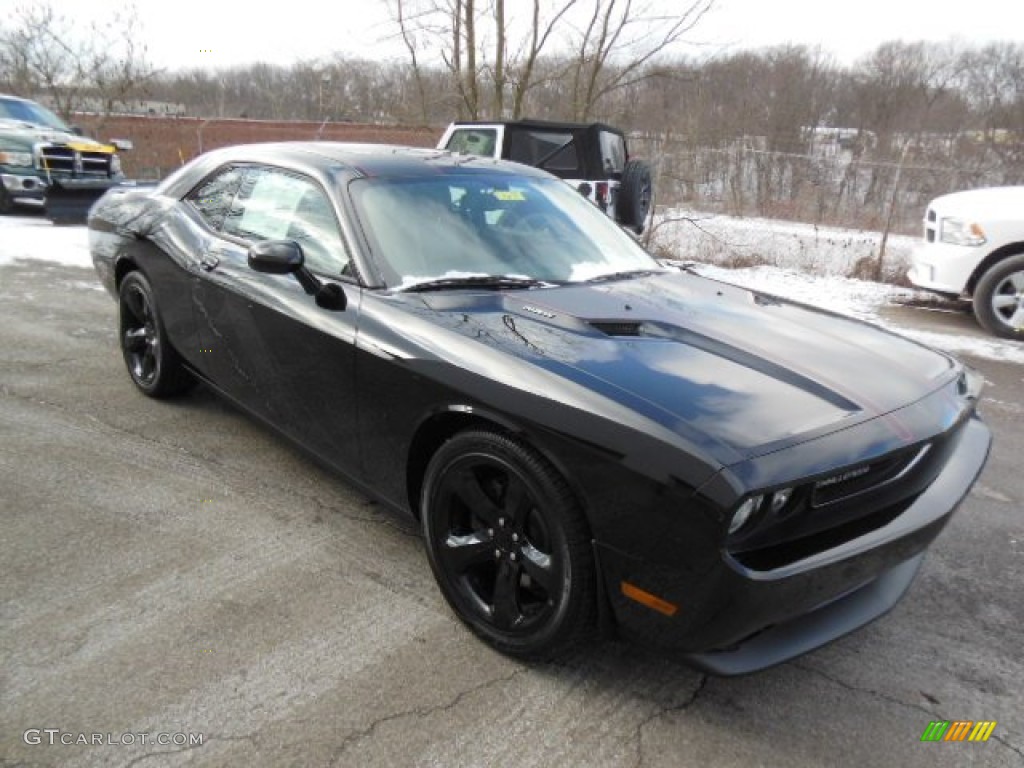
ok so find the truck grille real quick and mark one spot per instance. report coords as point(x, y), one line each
point(65, 161)
point(930, 226)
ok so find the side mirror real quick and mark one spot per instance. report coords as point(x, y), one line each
point(284, 257)
point(276, 257)
point(122, 145)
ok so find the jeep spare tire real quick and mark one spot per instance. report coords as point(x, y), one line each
point(634, 201)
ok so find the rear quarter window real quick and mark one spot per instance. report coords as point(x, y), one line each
point(212, 199)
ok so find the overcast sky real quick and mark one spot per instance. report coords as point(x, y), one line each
point(215, 33)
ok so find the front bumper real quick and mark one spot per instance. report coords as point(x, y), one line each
point(732, 620)
point(944, 268)
point(24, 188)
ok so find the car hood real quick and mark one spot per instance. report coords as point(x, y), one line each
point(986, 204)
point(716, 363)
point(29, 134)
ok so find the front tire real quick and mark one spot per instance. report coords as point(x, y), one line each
point(152, 363)
point(509, 546)
point(999, 298)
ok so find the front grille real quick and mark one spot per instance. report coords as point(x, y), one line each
point(829, 511)
point(65, 161)
point(929, 227)
point(791, 550)
point(865, 477)
point(616, 327)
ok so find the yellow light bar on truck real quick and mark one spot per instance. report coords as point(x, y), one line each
point(82, 147)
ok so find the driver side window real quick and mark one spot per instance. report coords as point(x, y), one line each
point(273, 204)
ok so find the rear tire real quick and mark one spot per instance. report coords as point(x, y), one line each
point(999, 298)
point(152, 363)
point(635, 194)
point(509, 546)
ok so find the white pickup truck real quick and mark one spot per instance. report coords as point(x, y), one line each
point(974, 248)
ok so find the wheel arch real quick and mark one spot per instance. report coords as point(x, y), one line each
point(122, 267)
point(1003, 252)
point(442, 424)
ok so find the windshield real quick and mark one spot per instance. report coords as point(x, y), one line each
point(30, 112)
point(426, 229)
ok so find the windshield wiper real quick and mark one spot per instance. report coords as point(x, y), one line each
point(626, 273)
point(495, 282)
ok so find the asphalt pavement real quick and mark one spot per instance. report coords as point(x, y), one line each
point(174, 571)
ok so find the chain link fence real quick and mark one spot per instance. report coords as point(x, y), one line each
point(832, 186)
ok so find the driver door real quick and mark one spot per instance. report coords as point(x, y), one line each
point(272, 348)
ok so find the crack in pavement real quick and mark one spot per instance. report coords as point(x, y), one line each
point(661, 712)
point(899, 702)
point(420, 712)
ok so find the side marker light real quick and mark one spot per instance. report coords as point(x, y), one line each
point(646, 598)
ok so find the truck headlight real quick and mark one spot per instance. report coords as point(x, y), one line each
point(960, 232)
point(15, 158)
point(115, 165)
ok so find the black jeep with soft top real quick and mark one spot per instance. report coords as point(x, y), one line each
point(593, 157)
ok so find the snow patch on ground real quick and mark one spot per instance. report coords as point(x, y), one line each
point(817, 250)
point(24, 238)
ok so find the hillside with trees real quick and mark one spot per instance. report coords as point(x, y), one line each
point(784, 131)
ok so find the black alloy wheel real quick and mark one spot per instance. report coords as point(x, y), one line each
point(153, 365)
point(508, 545)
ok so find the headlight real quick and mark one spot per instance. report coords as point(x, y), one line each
point(115, 165)
point(15, 158)
point(743, 513)
point(960, 232)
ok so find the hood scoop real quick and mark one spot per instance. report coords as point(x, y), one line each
point(617, 327)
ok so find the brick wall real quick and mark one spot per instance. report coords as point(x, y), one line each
point(164, 143)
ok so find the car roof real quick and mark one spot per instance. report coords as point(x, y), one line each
point(336, 161)
point(544, 125)
point(367, 160)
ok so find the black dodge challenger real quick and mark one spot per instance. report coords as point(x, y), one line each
point(594, 442)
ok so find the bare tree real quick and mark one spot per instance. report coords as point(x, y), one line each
point(43, 53)
point(619, 40)
point(486, 49)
